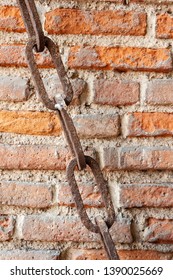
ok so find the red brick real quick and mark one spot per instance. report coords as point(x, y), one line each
point(146, 195)
point(144, 255)
point(115, 92)
point(7, 224)
point(10, 19)
point(39, 157)
point(75, 21)
point(120, 58)
point(155, 91)
point(159, 231)
point(31, 123)
point(138, 158)
point(95, 254)
point(148, 124)
point(85, 254)
point(97, 126)
point(22, 194)
point(14, 89)
point(89, 192)
point(14, 56)
point(29, 255)
point(164, 26)
point(58, 228)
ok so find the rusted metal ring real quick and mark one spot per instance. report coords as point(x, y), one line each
point(56, 58)
point(103, 187)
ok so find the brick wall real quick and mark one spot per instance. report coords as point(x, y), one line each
point(119, 60)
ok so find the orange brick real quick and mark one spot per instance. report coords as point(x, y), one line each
point(159, 231)
point(120, 58)
point(146, 195)
point(33, 123)
point(148, 124)
point(11, 20)
point(164, 26)
point(74, 21)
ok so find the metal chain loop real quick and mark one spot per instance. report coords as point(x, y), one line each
point(103, 187)
point(56, 58)
point(38, 41)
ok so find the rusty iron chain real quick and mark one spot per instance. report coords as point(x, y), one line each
point(39, 42)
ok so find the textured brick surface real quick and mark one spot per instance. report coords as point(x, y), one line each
point(45, 157)
point(34, 195)
point(164, 26)
point(159, 231)
point(148, 124)
point(33, 123)
point(95, 22)
point(29, 255)
point(115, 92)
point(120, 58)
point(54, 228)
point(6, 227)
point(155, 90)
point(14, 89)
point(146, 195)
point(10, 19)
point(97, 126)
point(138, 158)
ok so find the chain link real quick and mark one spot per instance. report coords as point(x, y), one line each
point(39, 41)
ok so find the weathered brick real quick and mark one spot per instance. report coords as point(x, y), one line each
point(144, 255)
point(29, 255)
point(115, 92)
point(137, 158)
point(85, 254)
point(23, 194)
point(146, 195)
point(7, 224)
point(39, 157)
point(155, 90)
point(14, 56)
point(58, 228)
point(164, 26)
point(28, 122)
point(159, 231)
point(120, 58)
point(10, 19)
point(89, 192)
point(97, 126)
point(14, 89)
point(148, 124)
point(94, 254)
point(96, 22)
